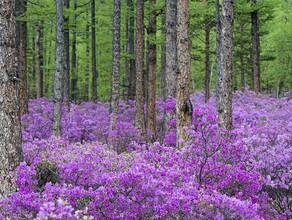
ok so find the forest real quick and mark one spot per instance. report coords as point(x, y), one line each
point(145, 109)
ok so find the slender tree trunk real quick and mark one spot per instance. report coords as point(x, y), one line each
point(140, 115)
point(218, 46)
point(241, 57)
point(67, 55)
point(39, 58)
point(255, 49)
point(184, 108)
point(225, 78)
point(207, 63)
point(171, 59)
point(21, 37)
point(87, 63)
point(10, 133)
point(151, 111)
point(93, 51)
point(74, 59)
point(163, 59)
point(114, 105)
point(132, 87)
point(58, 89)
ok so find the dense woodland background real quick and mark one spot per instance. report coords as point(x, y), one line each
point(274, 32)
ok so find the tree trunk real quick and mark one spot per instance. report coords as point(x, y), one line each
point(10, 133)
point(171, 59)
point(241, 57)
point(255, 49)
point(21, 37)
point(163, 59)
point(58, 90)
point(39, 58)
point(74, 59)
point(225, 65)
point(140, 115)
point(151, 114)
point(114, 107)
point(184, 108)
point(87, 63)
point(93, 51)
point(132, 87)
point(207, 62)
point(218, 46)
point(67, 55)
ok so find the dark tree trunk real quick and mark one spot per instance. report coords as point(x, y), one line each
point(58, 89)
point(21, 37)
point(87, 64)
point(184, 108)
point(151, 113)
point(10, 133)
point(140, 115)
point(39, 58)
point(207, 63)
point(114, 107)
point(255, 49)
point(67, 55)
point(225, 78)
point(132, 87)
point(93, 51)
point(74, 59)
point(163, 59)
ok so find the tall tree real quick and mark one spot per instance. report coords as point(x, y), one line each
point(10, 133)
point(66, 54)
point(224, 101)
point(218, 46)
point(74, 58)
point(59, 71)
point(131, 46)
point(255, 48)
point(139, 98)
point(21, 38)
point(93, 51)
point(151, 111)
point(114, 107)
point(39, 57)
point(184, 108)
point(170, 50)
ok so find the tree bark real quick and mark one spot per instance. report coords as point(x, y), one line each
point(67, 55)
point(59, 71)
point(39, 58)
point(132, 87)
point(184, 108)
point(241, 57)
point(74, 58)
point(114, 105)
point(255, 49)
point(93, 51)
point(10, 133)
point(207, 62)
point(218, 46)
point(21, 44)
point(139, 98)
point(225, 65)
point(163, 59)
point(151, 111)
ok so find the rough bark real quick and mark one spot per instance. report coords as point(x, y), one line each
point(207, 63)
point(93, 51)
point(255, 49)
point(39, 58)
point(21, 38)
point(151, 86)
point(170, 51)
point(139, 98)
point(183, 104)
point(225, 79)
point(66, 55)
point(10, 134)
point(74, 59)
point(58, 89)
point(114, 105)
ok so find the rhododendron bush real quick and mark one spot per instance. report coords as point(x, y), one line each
point(91, 173)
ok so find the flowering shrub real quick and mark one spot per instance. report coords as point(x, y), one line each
point(243, 175)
